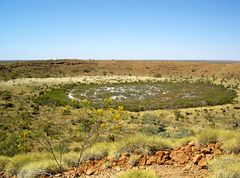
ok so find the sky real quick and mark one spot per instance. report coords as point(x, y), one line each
point(120, 29)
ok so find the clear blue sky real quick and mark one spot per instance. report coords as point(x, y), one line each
point(120, 29)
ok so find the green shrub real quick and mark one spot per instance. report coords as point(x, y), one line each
point(138, 174)
point(152, 124)
point(182, 141)
point(206, 94)
point(96, 152)
point(71, 159)
point(208, 136)
point(8, 143)
point(178, 133)
point(4, 160)
point(6, 95)
point(231, 146)
point(225, 167)
point(36, 168)
point(141, 144)
point(18, 161)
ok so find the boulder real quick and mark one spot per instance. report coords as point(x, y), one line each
point(179, 157)
point(209, 157)
point(202, 163)
point(217, 152)
point(151, 160)
point(159, 154)
point(90, 171)
point(196, 158)
point(206, 150)
point(142, 161)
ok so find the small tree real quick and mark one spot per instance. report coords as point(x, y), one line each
point(53, 137)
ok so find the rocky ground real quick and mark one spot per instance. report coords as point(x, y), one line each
point(187, 161)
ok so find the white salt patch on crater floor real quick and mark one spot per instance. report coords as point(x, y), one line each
point(70, 96)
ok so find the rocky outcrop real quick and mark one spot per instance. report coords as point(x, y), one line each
point(188, 157)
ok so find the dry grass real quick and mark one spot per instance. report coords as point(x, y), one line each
point(19, 161)
point(138, 174)
point(4, 160)
point(225, 167)
point(37, 168)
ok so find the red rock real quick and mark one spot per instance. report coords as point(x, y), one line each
point(197, 158)
point(217, 152)
point(187, 148)
point(186, 168)
point(218, 145)
point(118, 169)
point(169, 162)
point(160, 161)
point(192, 143)
point(99, 163)
point(209, 156)
point(179, 157)
point(123, 157)
point(151, 160)
point(121, 162)
point(195, 149)
point(212, 146)
point(176, 148)
point(166, 152)
point(79, 170)
point(206, 150)
point(129, 166)
point(166, 158)
point(202, 163)
point(142, 161)
point(160, 154)
point(90, 171)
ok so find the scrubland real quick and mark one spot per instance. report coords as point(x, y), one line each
point(56, 122)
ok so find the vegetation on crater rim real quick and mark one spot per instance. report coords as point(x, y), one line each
point(140, 96)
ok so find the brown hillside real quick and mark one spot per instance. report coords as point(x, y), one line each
point(61, 68)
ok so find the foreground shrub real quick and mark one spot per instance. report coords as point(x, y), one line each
point(152, 124)
point(4, 160)
point(231, 146)
point(182, 141)
point(230, 139)
point(71, 159)
point(8, 143)
point(225, 167)
point(96, 152)
point(141, 144)
point(138, 174)
point(208, 136)
point(34, 169)
point(19, 161)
